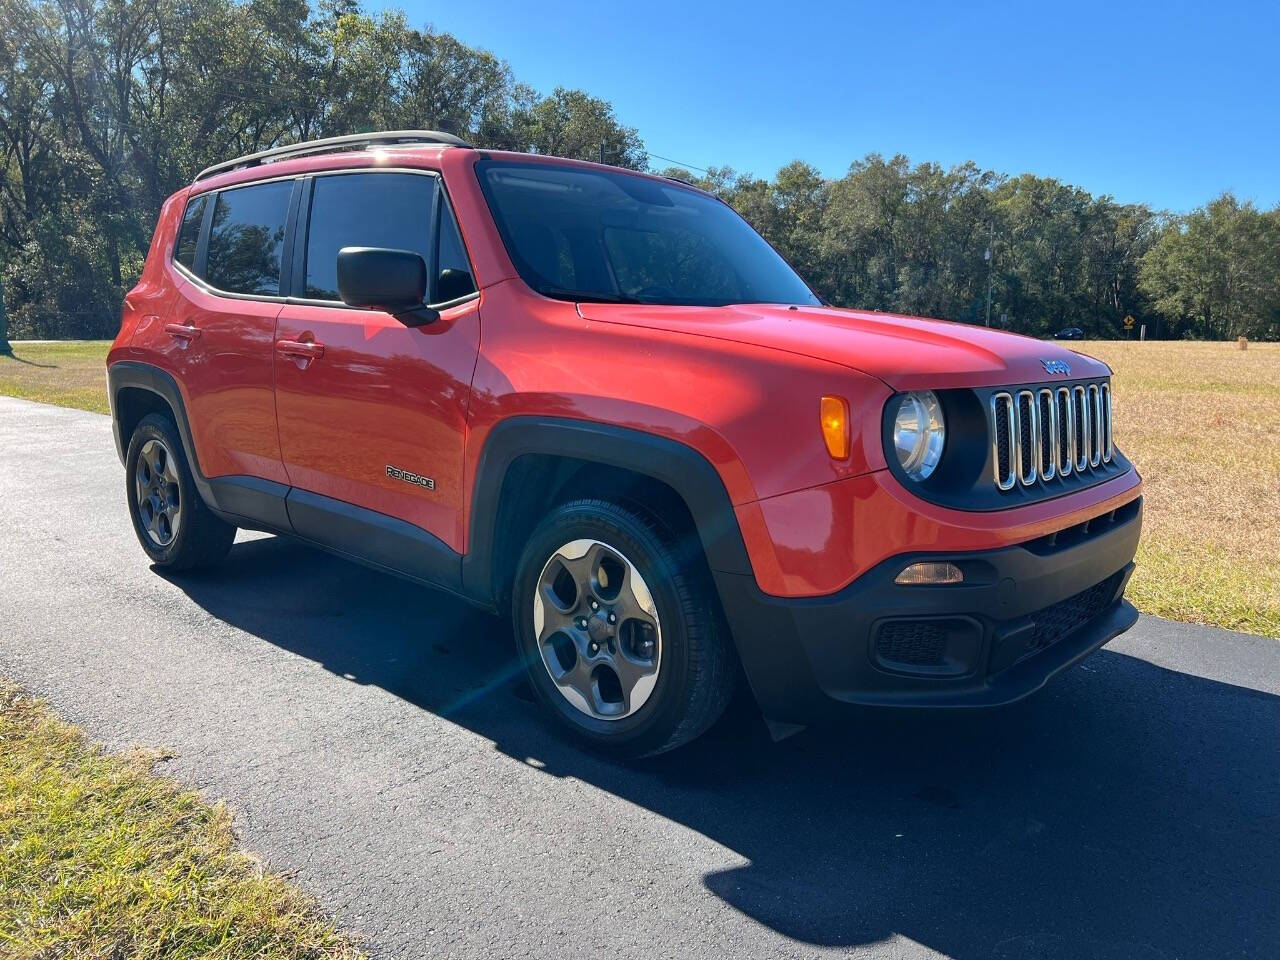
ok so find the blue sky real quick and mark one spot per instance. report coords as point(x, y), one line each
point(1166, 103)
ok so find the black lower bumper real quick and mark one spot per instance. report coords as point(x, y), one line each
point(1022, 615)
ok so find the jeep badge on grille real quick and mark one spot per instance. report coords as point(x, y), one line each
point(1056, 366)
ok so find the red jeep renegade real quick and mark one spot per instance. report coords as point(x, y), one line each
point(599, 400)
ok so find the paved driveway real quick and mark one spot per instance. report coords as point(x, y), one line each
point(370, 739)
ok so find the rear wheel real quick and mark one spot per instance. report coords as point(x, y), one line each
point(175, 528)
point(622, 641)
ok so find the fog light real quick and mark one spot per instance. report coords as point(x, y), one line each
point(930, 573)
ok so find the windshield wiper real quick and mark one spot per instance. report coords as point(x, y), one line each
point(586, 296)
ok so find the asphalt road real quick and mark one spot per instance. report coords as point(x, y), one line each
point(368, 735)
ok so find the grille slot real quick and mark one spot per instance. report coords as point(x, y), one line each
point(1028, 439)
point(1095, 425)
point(1048, 434)
point(1080, 404)
point(1039, 435)
point(1066, 431)
point(1005, 440)
point(1107, 448)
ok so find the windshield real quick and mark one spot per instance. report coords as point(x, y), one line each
point(579, 234)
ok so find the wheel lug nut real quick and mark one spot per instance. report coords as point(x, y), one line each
point(594, 648)
point(595, 605)
point(613, 617)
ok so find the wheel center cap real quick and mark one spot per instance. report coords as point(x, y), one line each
point(598, 628)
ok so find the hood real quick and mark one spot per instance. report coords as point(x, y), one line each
point(907, 353)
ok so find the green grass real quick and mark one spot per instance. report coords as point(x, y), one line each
point(1201, 420)
point(100, 858)
point(66, 374)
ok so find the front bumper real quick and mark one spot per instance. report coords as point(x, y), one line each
point(1024, 614)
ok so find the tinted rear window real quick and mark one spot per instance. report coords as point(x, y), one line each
point(189, 232)
point(247, 237)
point(390, 210)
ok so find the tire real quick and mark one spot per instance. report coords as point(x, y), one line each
point(662, 672)
point(175, 528)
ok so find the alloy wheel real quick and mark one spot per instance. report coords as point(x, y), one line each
point(597, 629)
point(159, 493)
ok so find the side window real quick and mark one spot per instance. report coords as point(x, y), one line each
point(390, 210)
point(189, 233)
point(247, 236)
point(455, 278)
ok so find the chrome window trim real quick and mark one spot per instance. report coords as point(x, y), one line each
point(1049, 465)
point(206, 287)
point(1011, 481)
point(1028, 477)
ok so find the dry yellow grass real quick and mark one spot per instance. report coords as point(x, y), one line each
point(1201, 420)
point(1202, 423)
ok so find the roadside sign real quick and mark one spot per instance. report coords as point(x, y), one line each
point(1128, 323)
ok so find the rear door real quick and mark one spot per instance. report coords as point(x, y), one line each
point(221, 332)
point(372, 414)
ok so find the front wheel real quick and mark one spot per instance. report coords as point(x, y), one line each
point(621, 637)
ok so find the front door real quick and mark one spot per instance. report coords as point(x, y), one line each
point(371, 413)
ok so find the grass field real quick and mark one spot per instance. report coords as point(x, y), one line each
point(69, 374)
point(1201, 420)
point(99, 858)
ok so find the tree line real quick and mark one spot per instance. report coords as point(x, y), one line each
point(108, 106)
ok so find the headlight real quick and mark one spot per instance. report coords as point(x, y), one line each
point(919, 433)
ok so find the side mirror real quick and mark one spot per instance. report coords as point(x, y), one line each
point(453, 284)
point(390, 280)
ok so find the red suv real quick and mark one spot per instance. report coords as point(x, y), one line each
point(598, 400)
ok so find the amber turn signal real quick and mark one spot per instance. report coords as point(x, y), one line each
point(834, 414)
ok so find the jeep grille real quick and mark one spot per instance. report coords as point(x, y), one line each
point(1039, 434)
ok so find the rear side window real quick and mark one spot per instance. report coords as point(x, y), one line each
point(390, 210)
point(247, 237)
point(189, 232)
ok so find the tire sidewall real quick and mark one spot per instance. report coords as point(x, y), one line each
point(654, 722)
point(156, 427)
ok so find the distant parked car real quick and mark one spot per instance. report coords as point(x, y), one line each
point(598, 400)
point(1070, 333)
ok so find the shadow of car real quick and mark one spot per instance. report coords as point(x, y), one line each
point(1129, 811)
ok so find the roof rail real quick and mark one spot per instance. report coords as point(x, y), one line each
point(355, 141)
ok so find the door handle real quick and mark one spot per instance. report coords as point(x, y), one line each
point(181, 331)
point(300, 349)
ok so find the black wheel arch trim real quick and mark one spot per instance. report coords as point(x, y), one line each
point(245, 501)
point(132, 374)
point(679, 466)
